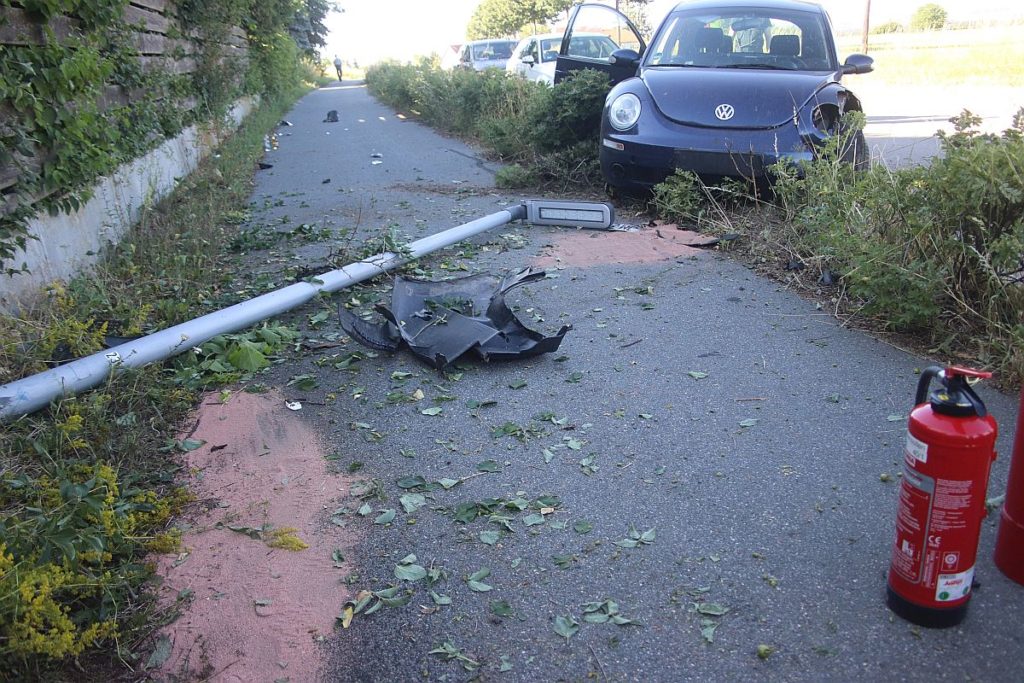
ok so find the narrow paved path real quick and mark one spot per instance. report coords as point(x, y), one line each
point(739, 423)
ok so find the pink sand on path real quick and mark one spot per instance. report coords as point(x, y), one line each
point(257, 613)
point(649, 244)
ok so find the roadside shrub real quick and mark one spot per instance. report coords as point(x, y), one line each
point(86, 487)
point(551, 132)
point(514, 176)
point(888, 27)
point(572, 113)
point(678, 198)
point(936, 250)
point(930, 17)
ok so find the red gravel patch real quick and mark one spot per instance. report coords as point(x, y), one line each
point(257, 613)
point(594, 247)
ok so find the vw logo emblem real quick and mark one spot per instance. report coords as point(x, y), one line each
point(724, 112)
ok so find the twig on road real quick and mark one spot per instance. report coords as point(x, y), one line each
point(599, 664)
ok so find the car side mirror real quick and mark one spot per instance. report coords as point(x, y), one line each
point(858, 64)
point(625, 57)
point(528, 59)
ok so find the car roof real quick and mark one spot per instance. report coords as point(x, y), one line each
point(767, 4)
point(559, 36)
point(485, 41)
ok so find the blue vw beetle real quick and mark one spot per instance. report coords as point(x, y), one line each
point(725, 88)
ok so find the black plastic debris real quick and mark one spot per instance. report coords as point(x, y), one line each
point(439, 321)
point(264, 166)
point(828, 278)
point(332, 116)
point(285, 122)
point(795, 264)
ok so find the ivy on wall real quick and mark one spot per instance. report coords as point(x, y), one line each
point(58, 132)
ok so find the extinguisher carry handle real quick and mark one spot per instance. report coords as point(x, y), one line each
point(927, 375)
point(976, 402)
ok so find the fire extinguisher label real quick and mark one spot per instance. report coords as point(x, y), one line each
point(912, 516)
point(953, 586)
point(915, 450)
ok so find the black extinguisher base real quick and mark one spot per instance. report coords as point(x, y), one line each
point(929, 617)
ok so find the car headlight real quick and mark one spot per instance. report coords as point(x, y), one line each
point(624, 111)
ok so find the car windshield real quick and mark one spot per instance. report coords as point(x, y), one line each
point(549, 49)
point(747, 38)
point(494, 50)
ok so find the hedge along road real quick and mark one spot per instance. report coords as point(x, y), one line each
point(708, 450)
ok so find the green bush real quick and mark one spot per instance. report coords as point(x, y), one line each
point(551, 132)
point(86, 487)
point(514, 177)
point(888, 27)
point(678, 198)
point(933, 250)
point(930, 17)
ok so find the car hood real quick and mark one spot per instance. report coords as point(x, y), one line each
point(759, 98)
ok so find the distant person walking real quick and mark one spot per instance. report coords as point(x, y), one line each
point(337, 65)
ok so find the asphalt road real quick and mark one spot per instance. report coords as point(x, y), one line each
point(761, 474)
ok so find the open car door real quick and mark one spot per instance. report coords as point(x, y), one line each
point(592, 34)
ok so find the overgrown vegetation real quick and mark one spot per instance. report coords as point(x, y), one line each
point(934, 251)
point(62, 136)
point(87, 488)
point(549, 135)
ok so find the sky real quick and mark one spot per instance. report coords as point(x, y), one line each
point(371, 30)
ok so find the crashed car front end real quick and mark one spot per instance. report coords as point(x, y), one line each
point(637, 154)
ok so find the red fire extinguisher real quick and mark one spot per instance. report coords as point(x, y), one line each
point(949, 451)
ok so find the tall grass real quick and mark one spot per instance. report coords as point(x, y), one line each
point(549, 135)
point(86, 487)
point(990, 56)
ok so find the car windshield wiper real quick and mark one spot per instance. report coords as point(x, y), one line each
point(756, 65)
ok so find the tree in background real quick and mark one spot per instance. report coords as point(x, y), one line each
point(498, 18)
point(636, 10)
point(308, 29)
point(930, 17)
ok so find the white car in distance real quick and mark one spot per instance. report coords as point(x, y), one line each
point(535, 56)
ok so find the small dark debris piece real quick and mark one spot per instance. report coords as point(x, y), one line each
point(332, 116)
point(218, 448)
point(440, 321)
point(264, 166)
point(376, 155)
point(325, 181)
point(286, 123)
point(828, 278)
point(795, 264)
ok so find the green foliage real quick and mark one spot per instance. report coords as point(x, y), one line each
point(56, 92)
point(679, 198)
point(550, 132)
point(228, 357)
point(498, 18)
point(930, 17)
point(887, 27)
point(85, 493)
point(932, 250)
point(514, 177)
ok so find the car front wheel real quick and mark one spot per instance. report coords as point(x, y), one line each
point(855, 151)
